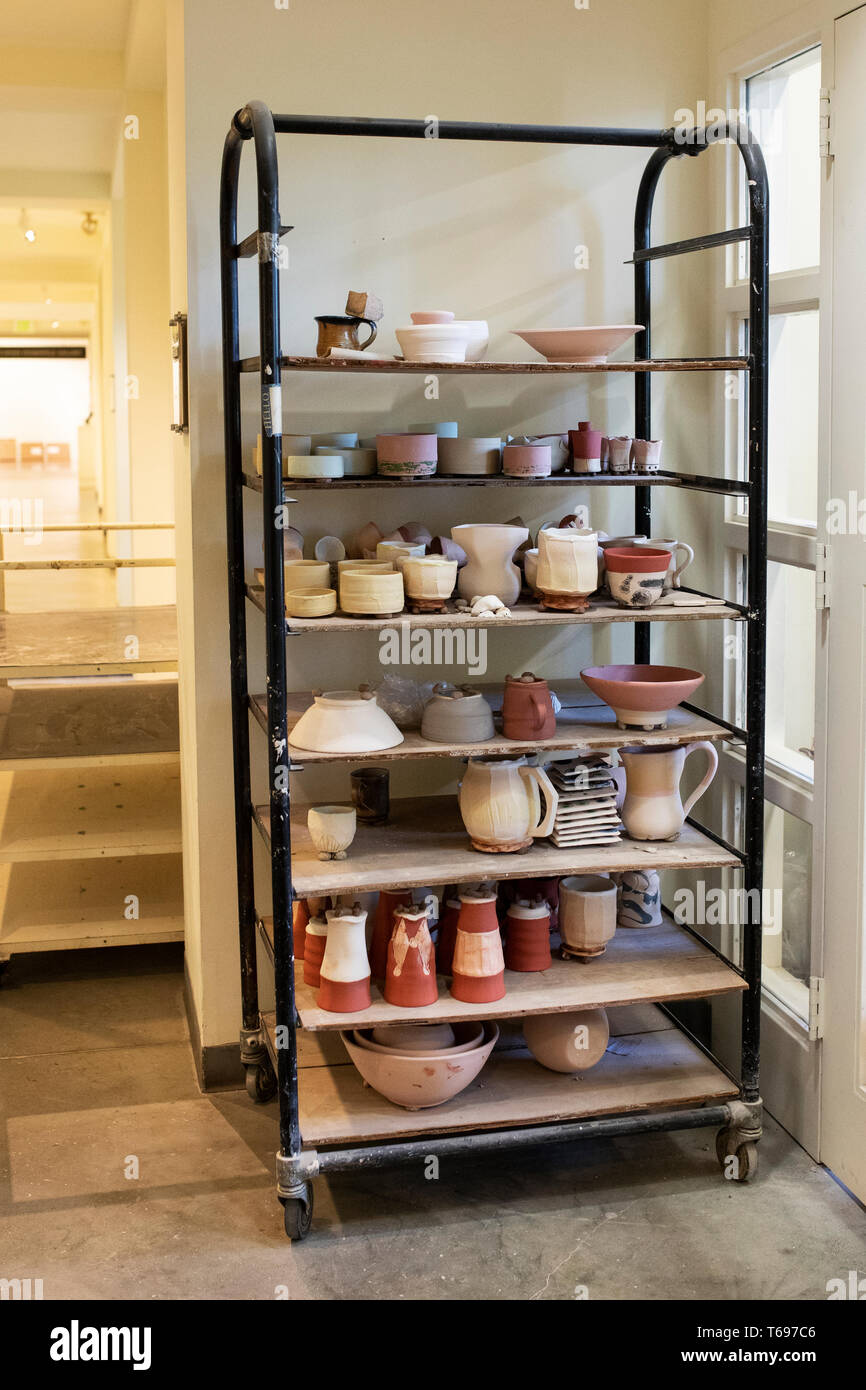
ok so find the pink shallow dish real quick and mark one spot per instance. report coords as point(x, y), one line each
point(642, 697)
point(586, 345)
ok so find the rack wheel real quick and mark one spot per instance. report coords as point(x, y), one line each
point(298, 1214)
point(746, 1155)
point(260, 1082)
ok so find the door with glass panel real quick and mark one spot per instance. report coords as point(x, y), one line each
point(843, 1123)
point(782, 102)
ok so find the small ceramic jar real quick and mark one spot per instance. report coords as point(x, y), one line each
point(406, 455)
point(527, 937)
point(478, 967)
point(429, 582)
point(587, 915)
point(585, 448)
point(527, 460)
point(619, 454)
point(646, 455)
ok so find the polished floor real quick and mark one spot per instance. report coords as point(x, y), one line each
point(118, 1179)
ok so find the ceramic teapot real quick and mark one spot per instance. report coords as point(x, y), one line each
point(500, 802)
point(652, 809)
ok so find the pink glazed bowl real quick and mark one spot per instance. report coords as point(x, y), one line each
point(642, 697)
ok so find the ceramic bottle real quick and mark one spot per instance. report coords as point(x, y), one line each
point(410, 975)
point(527, 936)
point(345, 971)
point(490, 567)
point(652, 809)
point(478, 971)
point(500, 803)
point(314, 950)
point(527, 708)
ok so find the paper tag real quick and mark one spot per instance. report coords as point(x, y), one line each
point(272, 410)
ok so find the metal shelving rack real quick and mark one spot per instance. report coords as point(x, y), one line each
point(367, 1136)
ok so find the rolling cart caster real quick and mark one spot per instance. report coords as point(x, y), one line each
point(298, 1213)
point(738, 1141)
point(260, 1082)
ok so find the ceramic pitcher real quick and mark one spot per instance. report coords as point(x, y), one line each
point(653, 809)
point(410, 976)
point(490, 568)
point(500, 803)
point(341, 330)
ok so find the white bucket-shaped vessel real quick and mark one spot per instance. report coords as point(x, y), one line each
point(501, 804)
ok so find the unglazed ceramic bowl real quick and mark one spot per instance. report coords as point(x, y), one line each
point(307, 574)
point(313, 466)
point(467, 457)
point(434, 342)
point(332, 829)
point(419, 1080)
point(407, 455)
point(473, 1036)
point(414, 1037)
point(357, 463)
point(364, 592)
point(586, 345)
point(568, 1042)
point(429, 578)
point(642, 697)
point(346, 440)
point(311, 603)
point(344, 721)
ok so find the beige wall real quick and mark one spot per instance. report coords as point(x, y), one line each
point(489, 230)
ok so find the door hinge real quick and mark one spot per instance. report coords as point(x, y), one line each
point(825, 145)
point(816, 1007)
point(822, 575)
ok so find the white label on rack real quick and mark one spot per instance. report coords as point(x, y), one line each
point(272, 410)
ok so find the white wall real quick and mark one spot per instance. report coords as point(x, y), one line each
point(489, 230)
point(44, 400)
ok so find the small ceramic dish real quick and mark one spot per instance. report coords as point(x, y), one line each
point(586, 345)
point(314, 466)
point(311, 603)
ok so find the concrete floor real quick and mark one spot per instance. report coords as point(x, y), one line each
point(96, 1080)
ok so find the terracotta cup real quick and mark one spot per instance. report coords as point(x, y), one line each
point(410, 975)
point(447, 936)
point(527, 937)
point(478, 970)
point(527, 708)
point(383, 925)
point(314, 950)
point(587, 915)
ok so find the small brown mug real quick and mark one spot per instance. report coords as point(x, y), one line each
point(341, 330)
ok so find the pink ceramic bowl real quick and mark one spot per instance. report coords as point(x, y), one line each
point(406, 455)
point(527, 460)
point(432, 316)
point(418, 1080)
point(642, 697)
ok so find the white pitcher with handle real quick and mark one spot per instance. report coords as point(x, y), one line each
point(500, 802)
point(652, 809)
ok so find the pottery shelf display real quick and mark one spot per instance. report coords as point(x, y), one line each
point(657, 1079)
point(586, 813)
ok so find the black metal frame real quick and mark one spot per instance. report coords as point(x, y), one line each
point(257, 123)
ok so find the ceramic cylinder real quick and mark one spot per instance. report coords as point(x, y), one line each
point(470, 457)
point(587, 914)
point(345, 970)
point(585, 448)
point(370, 794)
point(527, 937)
point(527, 460)
point(478, 967)
point(406, 455)
point(315, 941)
point(410, 973)
point(447, 935)
point(619, 454)
point(300, 918)
point(567, 562)
point(639, 901)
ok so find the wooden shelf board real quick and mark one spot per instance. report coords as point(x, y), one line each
point(592, 725)
point(640, 1071)
point(64, 726)
point(426, 843)
point(640, 965)
point(446, 480)
point(537, 367)
point(523, 615)
point(91, 642)
point(72, 903)
point(89, 813)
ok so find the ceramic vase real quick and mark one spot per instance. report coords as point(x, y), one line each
point(490, 567)
point(447, 935)
point(639, 901)
point(410, 974)
point(585, 448)
point(300, 918)
point(587, 915)
point(345, 971)
point(567, 568)
point(527, 937)
point(478, 967)
point(500, 802)
point(527, 709)
point(652, 809)
point(383, 925)
point(314, 950)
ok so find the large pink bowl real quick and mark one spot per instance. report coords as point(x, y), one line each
point(642, 697)
point(419, 1080)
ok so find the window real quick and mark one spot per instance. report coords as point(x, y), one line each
point(782, 106)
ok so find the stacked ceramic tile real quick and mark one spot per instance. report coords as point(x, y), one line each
point(587, 813)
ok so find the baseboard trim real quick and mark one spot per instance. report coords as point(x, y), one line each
point(217, 1068)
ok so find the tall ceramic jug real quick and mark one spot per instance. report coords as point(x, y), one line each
point(500, 803)
point(345, 971)
point(653, 809)
point(567, 567)
point(490, 568)
point(410, 977)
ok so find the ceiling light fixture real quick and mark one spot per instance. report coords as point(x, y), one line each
point(89, 225)
point(26, 226)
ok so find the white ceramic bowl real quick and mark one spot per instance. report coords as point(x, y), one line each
point(479, 337)
point(587, 345)
point(434, 342)
point(313, 466)
point(306, 574)
point(342, 721)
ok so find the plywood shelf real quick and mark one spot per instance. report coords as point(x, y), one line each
point(73, 904)
point(579, 726)
point(389, 365)
point(426, 842)
point(52, 727)
point(91, 642)
point(89, 813)
point(444, 480)
point(642, 1071)
point(523, 615)
point(639, 966)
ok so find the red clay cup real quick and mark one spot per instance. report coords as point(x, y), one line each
point(527, 942)
point(479, 965)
